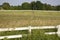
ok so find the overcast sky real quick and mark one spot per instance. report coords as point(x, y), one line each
point(19, 2)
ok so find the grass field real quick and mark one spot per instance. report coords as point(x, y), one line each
point(19, 18)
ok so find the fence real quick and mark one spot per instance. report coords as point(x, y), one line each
point(29, 28)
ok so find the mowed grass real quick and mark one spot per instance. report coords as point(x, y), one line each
point(22, 18)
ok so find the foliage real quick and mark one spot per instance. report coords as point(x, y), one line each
point(58, 7)
point(30, 6)
point(39, 5)
point(33, 5)
point(6, 6)
point(26, 6)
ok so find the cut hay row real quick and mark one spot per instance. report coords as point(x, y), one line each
point(32, 10)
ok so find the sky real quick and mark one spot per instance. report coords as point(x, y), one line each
point(19, 2)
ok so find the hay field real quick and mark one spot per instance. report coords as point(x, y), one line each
point(20, 18)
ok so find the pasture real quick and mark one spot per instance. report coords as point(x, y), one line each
point(20, 18)
point(25, 18)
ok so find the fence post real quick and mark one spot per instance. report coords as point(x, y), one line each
point(29, 29)
point(58, 31)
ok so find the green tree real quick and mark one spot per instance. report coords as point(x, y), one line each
point(58, 7)
point(47, 7)
point(39, 5)
point(6, 6)
point(26, 6)
point(33, 5)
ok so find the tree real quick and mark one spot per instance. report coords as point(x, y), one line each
point(39, 5)
point(26, 6)
point(47, 7)
point(58, 7)
point(6, 6)
point(0, 7)
point(33, 5)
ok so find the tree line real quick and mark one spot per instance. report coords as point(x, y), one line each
point(29, 6)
